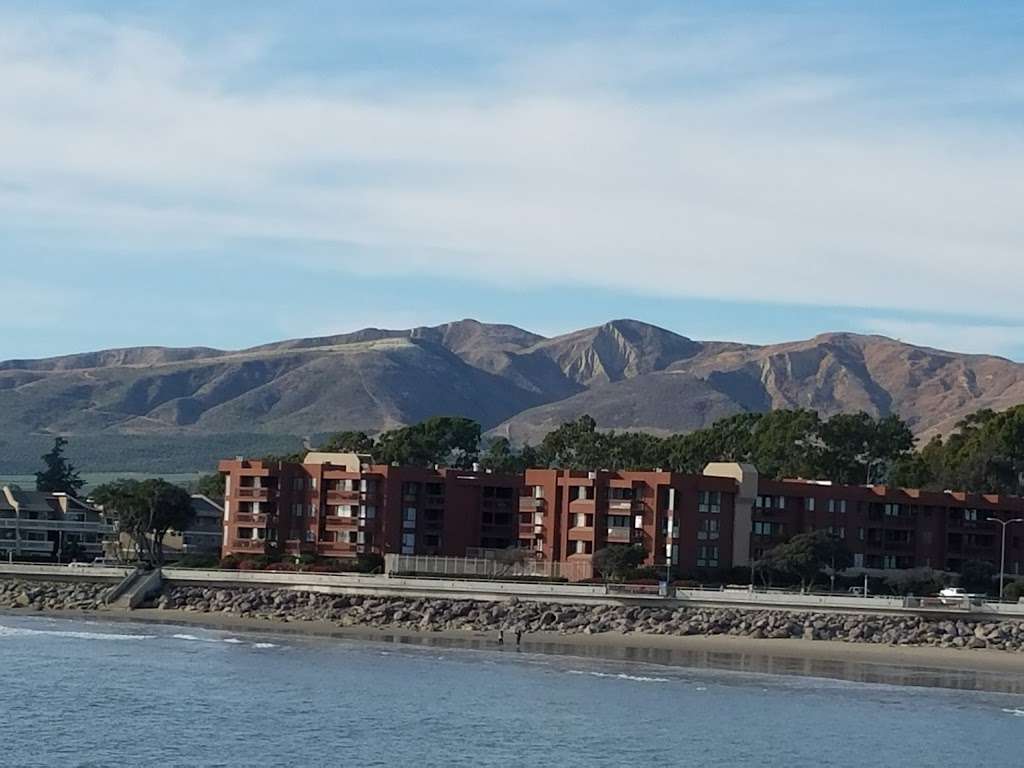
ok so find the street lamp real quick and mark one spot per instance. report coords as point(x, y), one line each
point(1002, 556)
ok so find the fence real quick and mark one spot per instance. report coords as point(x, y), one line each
point(487, 568)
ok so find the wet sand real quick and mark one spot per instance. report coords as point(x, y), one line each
point(976, 669)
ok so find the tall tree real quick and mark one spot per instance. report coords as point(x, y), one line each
point(211, 485)
point(348, 442)
point(806, 555)
point(448, 440)
point(146, 510)
point(60, 475)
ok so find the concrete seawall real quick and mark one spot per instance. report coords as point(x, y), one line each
point(556, 593)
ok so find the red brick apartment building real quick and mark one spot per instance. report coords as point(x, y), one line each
point(342, 505)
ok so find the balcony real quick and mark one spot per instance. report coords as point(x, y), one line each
point(55, 525)
point(530, 529)
point(336, 521)
point(251, 518)
point(530, 504)
point(619, 535)
point(252, 493)
point(581, 534)
point(582, 505)
point(249, 545)
point(32, 546)
point(623, 505)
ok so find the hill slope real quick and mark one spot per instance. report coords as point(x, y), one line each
point(627, 374)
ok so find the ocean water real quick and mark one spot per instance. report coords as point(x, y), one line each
point(76, 693)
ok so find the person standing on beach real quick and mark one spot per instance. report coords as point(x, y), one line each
point(501, 637)
point(519, 637)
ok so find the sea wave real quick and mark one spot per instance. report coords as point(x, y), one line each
point(264, 645)
point(23, 632)
point(1015, 712)
point(621, 676)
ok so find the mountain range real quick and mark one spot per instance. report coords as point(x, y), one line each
point(626, 374)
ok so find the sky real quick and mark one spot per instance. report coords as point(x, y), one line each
point(233, 173)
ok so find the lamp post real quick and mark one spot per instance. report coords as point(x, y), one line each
point(1002, 555)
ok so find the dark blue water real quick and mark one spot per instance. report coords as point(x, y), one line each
point(93, 694)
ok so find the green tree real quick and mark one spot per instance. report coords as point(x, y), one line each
point(918, 581)
point(501, 457)
point(146, 510)
point(977, 575)
point(59, 476)
point(806, 555)
point(617, 560)
point(447, 440)
point(573, 445)
point(211, 485)
point(348, 442)
point(859, 449)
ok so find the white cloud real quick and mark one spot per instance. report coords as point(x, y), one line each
point(770, 189)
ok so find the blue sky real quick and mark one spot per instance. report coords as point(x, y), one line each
point(233, 173)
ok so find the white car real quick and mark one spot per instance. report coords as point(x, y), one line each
point(955, 595)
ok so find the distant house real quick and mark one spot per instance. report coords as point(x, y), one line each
point(204, 536)
point(40, 525)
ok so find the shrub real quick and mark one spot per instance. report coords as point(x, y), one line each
point(199, 561)
point(231, 562)
point(1014, 590)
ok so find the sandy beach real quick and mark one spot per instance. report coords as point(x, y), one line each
point(978, 669)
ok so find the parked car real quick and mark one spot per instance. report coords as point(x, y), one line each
point(857, 591)
point(956, 595)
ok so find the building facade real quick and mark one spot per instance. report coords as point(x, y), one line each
point(343, 505)
point(49, 526)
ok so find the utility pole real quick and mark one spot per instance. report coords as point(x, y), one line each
point(1002, 554)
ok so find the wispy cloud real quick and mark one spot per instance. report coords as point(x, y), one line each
point(709, 160)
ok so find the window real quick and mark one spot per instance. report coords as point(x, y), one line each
point(367, 512)
point(860, 534)
point(581, 547)
point(809, 504)
point(582, 520)
point(298, 483)
point(893, 510)
point(971, 515)
point(409, 515)
point(431, 540)
point(618, 521)
point(837, 506)
point(764, 528)
point(858, 560)
point(352, 537)
point(708, 529)
point(297, 509)
point(310, 536)
point(889, 561)
point(709, 501)
point(707, 556)
point(839, 532)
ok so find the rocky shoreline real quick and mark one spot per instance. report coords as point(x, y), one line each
point(437, 615)
point(52, 595)
point(444, 615)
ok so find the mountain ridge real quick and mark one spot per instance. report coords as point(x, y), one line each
point(626, 373)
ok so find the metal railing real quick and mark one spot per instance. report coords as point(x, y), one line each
point(489, 568)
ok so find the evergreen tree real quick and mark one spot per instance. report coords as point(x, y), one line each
point(60, 475)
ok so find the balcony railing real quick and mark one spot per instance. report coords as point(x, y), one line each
point(530, 504)
point(627, 505)
point(55, 525)
point(619, 535)
point(248, 544)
